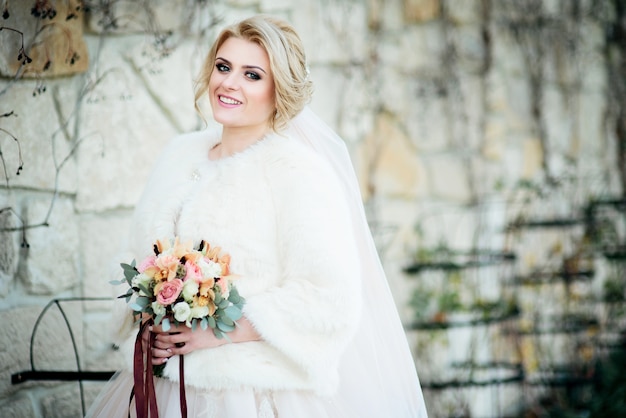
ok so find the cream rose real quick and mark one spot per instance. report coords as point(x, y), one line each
point(158, 309)
point(190, 289)
point(182, 312)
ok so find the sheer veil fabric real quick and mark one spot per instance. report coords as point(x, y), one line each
point(377, 372)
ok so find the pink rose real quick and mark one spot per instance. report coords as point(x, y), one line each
point(147, 263)
point(169, 291)
point(193, 272)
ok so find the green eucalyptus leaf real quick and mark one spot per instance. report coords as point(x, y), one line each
point(211, 322)
point(233, 312)
point(166, 324)
point(143, 301)
point(158, 319)
point(135, 307)
point(204, 323)
point(225, 327)
point(226, 320)
point(234, 297)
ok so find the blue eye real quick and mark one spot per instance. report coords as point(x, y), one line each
point(252, 75)
point(222, 68)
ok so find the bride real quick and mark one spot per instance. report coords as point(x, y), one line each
point(320, 335)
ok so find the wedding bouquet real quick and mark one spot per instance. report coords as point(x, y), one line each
point(185, 285)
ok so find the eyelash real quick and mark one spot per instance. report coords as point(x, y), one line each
point(222, 68)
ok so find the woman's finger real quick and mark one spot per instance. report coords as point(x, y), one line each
point(160, 353)
point(174, 339)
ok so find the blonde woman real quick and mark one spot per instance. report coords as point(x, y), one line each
point(320, 336)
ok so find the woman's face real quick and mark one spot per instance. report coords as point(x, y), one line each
point(241, 87)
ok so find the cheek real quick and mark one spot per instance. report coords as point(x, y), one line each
point(213, 82)
point(266, 97)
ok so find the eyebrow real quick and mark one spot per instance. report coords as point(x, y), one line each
point(244, 66)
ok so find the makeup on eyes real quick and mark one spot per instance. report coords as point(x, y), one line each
point(250, 67)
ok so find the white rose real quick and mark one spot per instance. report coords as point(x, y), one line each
point(182, 312)
point(158, 309)
point(210, 268)
point(190, 289)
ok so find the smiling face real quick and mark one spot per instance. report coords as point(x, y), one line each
point(241, 87)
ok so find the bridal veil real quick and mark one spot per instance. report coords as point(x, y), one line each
point(377, 372)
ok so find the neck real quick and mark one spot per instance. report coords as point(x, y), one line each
point(235, 140)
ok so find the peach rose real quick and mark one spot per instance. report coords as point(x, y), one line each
point(168, 292)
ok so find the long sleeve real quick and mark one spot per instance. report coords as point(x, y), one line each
point(313, 311)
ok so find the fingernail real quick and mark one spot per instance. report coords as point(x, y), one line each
point(169, 350)
point(150, 328)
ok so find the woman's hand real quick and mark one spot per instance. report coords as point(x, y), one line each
point(180, 339)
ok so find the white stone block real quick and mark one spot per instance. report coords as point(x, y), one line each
point(590, 127)
point(64, 401)
point(104, 239)
point(9, 241)
point(427, 119)
point(332, 32)
point(169, 81)
point(128, 17)
point(17, 406)
point(507, 56)
point(467, 107)
point(389, 14)
point(343, 99)
point(35, 124)
point(50, 264)
point(418, 49)
point(464, 12)
point(125, 130)
point(52, 348)
point(470, 49)
point(274, 6)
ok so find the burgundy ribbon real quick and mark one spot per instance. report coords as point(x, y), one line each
point(143, 390)
point(145, 398)
point(183, 397)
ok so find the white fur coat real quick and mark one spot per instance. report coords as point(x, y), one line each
point(278, 210)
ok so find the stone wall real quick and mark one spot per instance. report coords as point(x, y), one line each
point(462, 117)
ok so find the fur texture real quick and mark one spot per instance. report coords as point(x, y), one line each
point(278, 210)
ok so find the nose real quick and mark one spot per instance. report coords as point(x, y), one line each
point(230, 81)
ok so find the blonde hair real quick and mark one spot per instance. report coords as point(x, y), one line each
point(292, 86)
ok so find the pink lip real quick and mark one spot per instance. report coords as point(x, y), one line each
point(228, 105)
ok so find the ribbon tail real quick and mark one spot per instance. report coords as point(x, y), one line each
point(183, 396)
point(151, 402)
point(139, 389)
